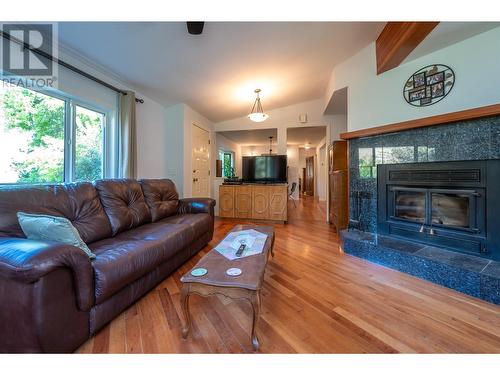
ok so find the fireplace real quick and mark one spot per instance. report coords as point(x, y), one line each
point(447, 204)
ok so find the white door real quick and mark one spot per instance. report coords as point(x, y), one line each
point(201, 162)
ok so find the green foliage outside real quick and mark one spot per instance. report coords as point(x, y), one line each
point(227, 165)
point(37, 123)
point(89, 141)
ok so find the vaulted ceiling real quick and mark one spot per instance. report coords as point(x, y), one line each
point(216, 72)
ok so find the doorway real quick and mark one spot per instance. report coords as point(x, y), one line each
point(309, 176)
point(201, 162)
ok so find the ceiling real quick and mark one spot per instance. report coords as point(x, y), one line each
point(260, 137)
point(302, 136)
point(216, 72)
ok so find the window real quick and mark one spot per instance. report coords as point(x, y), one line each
point(227, 158)
point(47, 138)
point(89, 144)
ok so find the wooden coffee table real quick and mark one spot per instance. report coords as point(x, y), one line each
point(216, 282)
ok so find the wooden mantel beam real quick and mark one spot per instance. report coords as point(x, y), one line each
point(445, 118)
point(398, 40)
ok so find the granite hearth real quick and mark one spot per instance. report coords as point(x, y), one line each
point(475, 276)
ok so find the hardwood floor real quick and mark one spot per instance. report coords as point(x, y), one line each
point(315, 300)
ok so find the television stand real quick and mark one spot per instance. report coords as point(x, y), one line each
point(256, 201)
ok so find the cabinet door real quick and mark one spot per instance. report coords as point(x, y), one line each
point(226, 201)
point(260, 209)
point(243, 201)
point(339, 203)
point(278, 203)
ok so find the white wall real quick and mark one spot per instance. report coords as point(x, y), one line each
point(321, 171)
point(174, 145)
point(375, 100)
point(152, 135)
point(257, 150)
point(293, 169)
point(180, 119)
point(338, 125)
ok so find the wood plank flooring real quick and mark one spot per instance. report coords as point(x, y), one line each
point(315, 300)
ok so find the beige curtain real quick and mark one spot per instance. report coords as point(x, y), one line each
point(128, 137)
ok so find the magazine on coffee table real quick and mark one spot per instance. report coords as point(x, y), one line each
point(253, 240)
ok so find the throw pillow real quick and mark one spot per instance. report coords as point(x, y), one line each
point(52, 228)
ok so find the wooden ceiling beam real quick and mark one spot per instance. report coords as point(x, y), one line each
point(397, 40)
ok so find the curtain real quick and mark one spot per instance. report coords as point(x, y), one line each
point(128, 137)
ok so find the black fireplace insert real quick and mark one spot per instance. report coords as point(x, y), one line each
point(448, 204)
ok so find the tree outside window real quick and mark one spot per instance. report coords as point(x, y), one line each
point(227, 165)
point(32, 139)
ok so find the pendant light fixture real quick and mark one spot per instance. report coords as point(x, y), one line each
point(257, 114)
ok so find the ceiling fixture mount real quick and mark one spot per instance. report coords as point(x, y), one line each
point(257, 113)
point(195, 27)
point(307, 146)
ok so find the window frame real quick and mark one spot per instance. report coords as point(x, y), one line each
point(109, 144)
point(232, 155)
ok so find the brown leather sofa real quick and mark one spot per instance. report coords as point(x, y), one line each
point(52, 296)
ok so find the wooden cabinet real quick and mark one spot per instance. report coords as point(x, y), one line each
point(260, 196)
point(226, 201)
point(278, 199)
point(259, 202)
point(338, 185)
point(243, 201)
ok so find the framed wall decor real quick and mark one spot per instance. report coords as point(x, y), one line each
point(429, 85)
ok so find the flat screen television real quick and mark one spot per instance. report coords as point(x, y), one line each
point(266, 168)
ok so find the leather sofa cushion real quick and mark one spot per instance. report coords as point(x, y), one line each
point(132, 254)
point(77, 202)
point(124, 204)
point(161, 197)
point(197, 223)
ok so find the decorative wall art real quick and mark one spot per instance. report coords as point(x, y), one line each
point(429, 85)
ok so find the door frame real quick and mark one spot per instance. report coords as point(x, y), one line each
point(193, 124)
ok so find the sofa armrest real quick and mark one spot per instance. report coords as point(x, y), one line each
point(27, 261)
point(196, 206)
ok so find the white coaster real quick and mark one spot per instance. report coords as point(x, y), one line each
point(233, 271)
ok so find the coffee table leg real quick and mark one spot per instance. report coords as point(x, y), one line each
point(255, 301)
point(185, 310)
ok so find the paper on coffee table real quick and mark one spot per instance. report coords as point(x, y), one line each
point(253, 239)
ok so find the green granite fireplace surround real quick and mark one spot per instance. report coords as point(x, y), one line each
point(477, 139)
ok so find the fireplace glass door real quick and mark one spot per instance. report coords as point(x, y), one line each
point(451, 209)
point(409, 204)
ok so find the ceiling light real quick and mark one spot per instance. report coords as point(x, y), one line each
point(307, 146)
point(257, 113)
